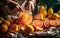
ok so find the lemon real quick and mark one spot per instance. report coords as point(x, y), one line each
point(1, 18)
point(1, 22)
point(22, 29)
point(54, 16)
point(41, 9)
point(44, 13)
point(58, 12)
point(29, 28)
point(50, 11)
point(39, 29)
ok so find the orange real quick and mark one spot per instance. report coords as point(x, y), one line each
point(47, 23)
point(21, 14)
point(4, 28)
point(53, 22)
point(37, 17)
point(13, 28)
point(37, 23)
point(7, 22)
point(9, 19)
point(16, 22)
point(26, 19)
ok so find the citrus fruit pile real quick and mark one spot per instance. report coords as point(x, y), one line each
point(27, 23)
